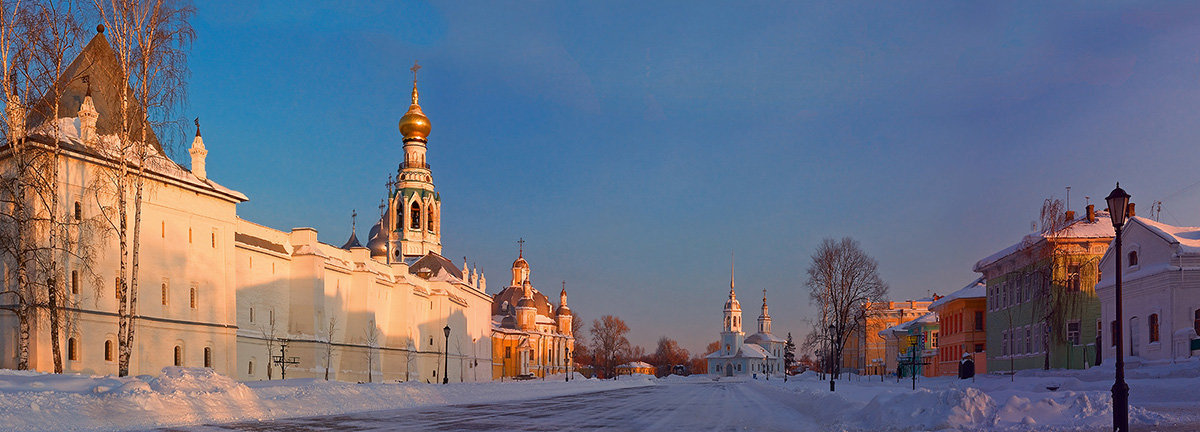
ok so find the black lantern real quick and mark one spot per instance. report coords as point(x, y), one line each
point(1118, 210)
point(1118, 206)
point(446, 357)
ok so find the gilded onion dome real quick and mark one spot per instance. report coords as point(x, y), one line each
point(414, 124)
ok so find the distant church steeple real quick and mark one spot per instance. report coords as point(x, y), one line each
point(764, 319)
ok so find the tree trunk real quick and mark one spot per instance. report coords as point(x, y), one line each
point(55, 334)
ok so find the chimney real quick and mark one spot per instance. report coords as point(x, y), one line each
point(1070, 215)
point(1131, 212)
point(1091, 212)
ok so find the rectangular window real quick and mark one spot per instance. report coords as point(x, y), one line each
point(978, 348)
point(1019, 343)
point(74, 282)
point(978, 320)
point(1073, 278)
point(214, 239)
point(1028, 339)
point(117, 287)
point(251, 314)
point(1005, 343)
point(1112, 340)
point(194, 297)
point(1073, 332)
point(165, 292)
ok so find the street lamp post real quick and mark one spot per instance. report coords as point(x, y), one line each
point(1118, 208)
point(446, 357)
point(832, 358)
point(568, 358)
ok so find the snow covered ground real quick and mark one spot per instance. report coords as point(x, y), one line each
point(1164, 397)
point(31, 401)
point(1161, 396)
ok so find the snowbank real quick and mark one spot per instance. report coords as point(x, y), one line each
point(184, 396)
point(1081, 400)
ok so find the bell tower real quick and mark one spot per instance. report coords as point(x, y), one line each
point(413, 220)
point(764, 319)
point(731, 332)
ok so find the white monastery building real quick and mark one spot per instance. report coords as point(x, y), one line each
point(1160, 286)
point(738, 355)
point(218, 291)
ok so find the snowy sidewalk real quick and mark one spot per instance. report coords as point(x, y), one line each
point(181, 396)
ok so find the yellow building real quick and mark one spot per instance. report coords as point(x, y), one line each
point(635, 367)
point(529, 336)
point(866, 351)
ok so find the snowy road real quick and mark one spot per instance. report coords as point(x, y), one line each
point(687, 406)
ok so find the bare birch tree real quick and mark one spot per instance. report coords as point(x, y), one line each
point(149, 38)
point(371, 340)
point(328, 339)
point(842, 279)
point(36, 233)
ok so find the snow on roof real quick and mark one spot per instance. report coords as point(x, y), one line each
point(1188, 238)
point(930, 317)
point(976, 289)
point(753, 351)
point(637, 364)
point(764, 337)
point(1101, 227)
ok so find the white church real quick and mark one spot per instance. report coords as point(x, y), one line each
point(218, 291)
point(761, 354)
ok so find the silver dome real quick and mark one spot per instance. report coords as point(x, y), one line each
point(377, 243)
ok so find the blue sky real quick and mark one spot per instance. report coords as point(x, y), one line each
point(635, 145)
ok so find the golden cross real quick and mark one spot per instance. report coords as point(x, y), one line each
point(522, 243)
point(416, 67)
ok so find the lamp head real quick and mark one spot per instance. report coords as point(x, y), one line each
point(1118, 206)
point(446, 330)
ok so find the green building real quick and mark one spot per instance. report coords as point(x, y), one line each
point(1042, 309)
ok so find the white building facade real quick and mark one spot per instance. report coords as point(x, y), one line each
point(1160, 285)
point(221, 292)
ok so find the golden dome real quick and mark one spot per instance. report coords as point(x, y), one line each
point(414, 124)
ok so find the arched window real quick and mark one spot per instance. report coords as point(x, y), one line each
point(72, 350)
point(250, 368)
point(108, 351)
point(1133, 258)
point(414, 216)
point(164, 293)
point(207, 357)
point(1153, 328)
point(194, 299)
point(178, 355)
point(78, 211)
point(74, 282)
point(429, 219)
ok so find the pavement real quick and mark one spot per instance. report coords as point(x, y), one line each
point(690, 406)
